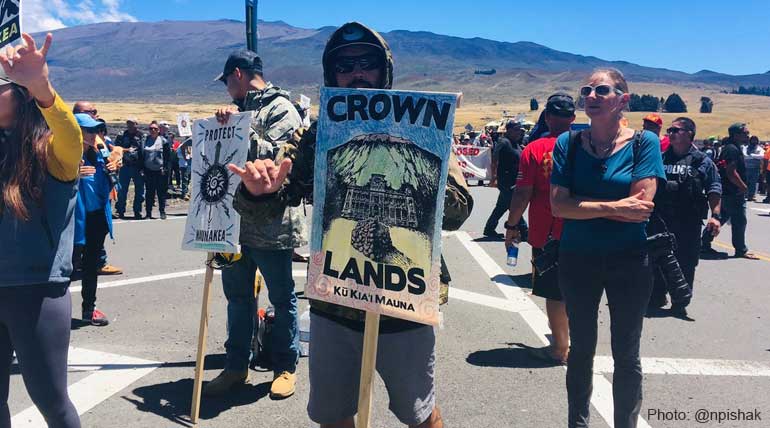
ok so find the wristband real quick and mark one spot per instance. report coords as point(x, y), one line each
point(509, 227)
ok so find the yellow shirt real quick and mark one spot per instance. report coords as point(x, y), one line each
point(65, 148)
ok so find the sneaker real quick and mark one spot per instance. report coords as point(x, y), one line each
point(162, 216)
point(492, 234)
point(226, 381)
point(137, 216)
point(148, 216)
point(96, 318)
point(283, 386)
point(109, 270)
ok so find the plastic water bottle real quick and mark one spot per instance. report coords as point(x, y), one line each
point(513, 254)
point(304, 333)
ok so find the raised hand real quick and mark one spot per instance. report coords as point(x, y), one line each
point(223, 114)
point(262, 176)
point(26, 65)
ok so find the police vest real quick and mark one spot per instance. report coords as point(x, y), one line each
point(684, 190)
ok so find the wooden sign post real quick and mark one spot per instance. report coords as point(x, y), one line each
point(368, 364)
point(202, 334)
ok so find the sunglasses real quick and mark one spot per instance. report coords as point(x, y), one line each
point(673, 130)
point(152, 128)
point(346, 64)
point(600, 90)
point(93, 112)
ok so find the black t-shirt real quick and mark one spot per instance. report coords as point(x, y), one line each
point(508, 157)
point(731, 153)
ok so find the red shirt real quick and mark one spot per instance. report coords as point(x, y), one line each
point(535, 170)
point(664, 143)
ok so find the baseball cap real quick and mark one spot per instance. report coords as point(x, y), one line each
point(654, 118)
point(736, 128)
point(243, 59)
point(512, 123)
point(86, 121)
point(560, 104)
point(133, 120)
point(353, 34)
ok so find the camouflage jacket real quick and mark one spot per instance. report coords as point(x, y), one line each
point(458, 202)
point(275, 123)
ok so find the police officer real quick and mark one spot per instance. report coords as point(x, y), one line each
point(693, 188)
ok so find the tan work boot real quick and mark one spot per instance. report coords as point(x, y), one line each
point(225, 382)
point(109, 270)
point(283, 386)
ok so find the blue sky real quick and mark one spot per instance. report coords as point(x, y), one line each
point(726, 36)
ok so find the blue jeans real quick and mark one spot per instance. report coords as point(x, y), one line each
point(734, 211)
point(238, 283)
point(752, 179)
point(128, 173)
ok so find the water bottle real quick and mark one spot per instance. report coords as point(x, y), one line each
point(304, 333)
point(513, 254)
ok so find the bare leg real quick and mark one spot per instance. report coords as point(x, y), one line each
point(557, 319)
point(434, 421)
point(345, 423)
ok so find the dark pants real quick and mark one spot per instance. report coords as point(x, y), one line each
point(752, 179)
point(35, 322)
point(501, 206)
point(157, 185)
point(185, 176)
point(627, 279)
point(734, 211)
point(128, 173)
point(238, 284)
point(174, 175)
point(96, 230)
point(767, 186)
point(687, 230)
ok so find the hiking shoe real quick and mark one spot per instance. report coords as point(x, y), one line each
point(283, 386)
point(109, 270)
point(226, 381)
point(96, 318)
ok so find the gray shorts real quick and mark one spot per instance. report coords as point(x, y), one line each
point(405, 361)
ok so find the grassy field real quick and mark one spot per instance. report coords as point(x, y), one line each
point(754, 110)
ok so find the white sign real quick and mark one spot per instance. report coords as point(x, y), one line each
point(304, 102)
point(10, 21)
point(212, 223)
point(184, 124)
point(474, 161)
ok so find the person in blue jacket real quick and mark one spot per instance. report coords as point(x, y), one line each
point(93, 212)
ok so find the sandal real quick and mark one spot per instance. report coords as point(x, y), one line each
point(748, 255)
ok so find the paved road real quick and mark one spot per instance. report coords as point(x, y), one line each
point(137, 372)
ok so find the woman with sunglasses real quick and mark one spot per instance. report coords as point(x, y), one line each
point(93, 213)
point(603, 182)
point(40, 149)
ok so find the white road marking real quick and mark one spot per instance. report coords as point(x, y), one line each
point(762, 210)
point(143, 221)
point(601, 398)
point(165, 276)
point(111, 373)
point(485, 300)
point(692, 366)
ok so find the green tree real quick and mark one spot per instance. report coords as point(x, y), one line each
point(706, 105)
point(675, 104)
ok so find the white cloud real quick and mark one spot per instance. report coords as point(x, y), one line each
point(46, 15)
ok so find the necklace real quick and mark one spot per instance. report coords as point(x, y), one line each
point(606, 151)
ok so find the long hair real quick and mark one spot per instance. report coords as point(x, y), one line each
point(23, 153)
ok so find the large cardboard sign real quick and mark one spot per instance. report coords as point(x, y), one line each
point(380, 177)
point(212, 223)
point(10, 21)
point(474, 161)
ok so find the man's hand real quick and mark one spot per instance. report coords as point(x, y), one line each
point(713, 226)
point(633, 209)
point(223, 114)
point(511, 236)
point(86, 171)
point(262, 176)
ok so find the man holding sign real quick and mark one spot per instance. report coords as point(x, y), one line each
point(357, 57)
point(267, 242)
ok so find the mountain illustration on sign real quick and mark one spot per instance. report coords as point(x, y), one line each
point(214, 182)
point(382, 182)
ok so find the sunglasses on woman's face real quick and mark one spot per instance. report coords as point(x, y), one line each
point(346, 64)
point(599, 90)
point(154, 129)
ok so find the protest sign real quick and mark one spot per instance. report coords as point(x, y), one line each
point(380, 174)
point(212, 223)
point(184, 124)
point(10, 21)
point(474, 161)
